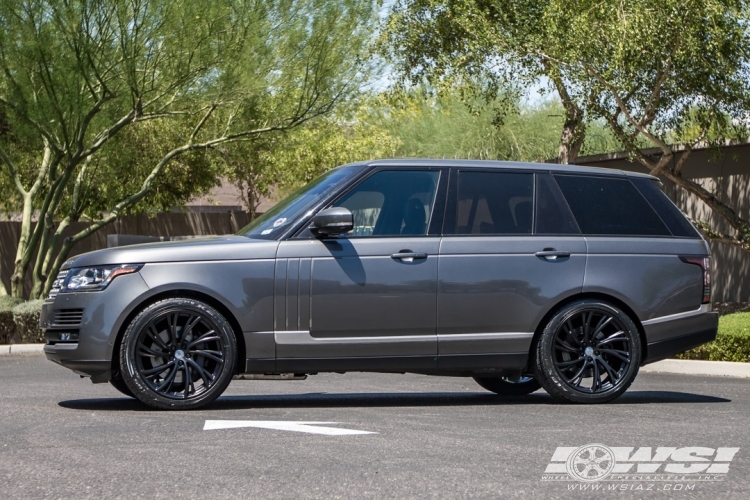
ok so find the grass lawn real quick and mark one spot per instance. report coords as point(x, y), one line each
point(732, 342)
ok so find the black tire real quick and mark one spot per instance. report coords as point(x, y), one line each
point(118, 383)
point(506, 386)
point(588, 339)
point(193, 343)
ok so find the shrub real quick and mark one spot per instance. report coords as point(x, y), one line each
point(7, 325)
point(732, 342)
point(26, 316)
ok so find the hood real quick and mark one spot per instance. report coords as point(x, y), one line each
point(198, 249)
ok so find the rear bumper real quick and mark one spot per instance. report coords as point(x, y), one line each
point(672, 335)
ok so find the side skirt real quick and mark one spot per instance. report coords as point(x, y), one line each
point(467, 364)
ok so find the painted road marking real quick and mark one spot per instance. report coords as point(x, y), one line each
point(280, 425)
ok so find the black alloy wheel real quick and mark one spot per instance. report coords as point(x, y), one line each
point(178, 354)
point(589, 352)
point(509, 386)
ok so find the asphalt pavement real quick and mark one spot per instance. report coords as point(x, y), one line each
point(429, 437)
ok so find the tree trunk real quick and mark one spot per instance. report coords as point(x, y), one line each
point(3, 290)
point(22, 262)
point(574, 129)
point(571, 139)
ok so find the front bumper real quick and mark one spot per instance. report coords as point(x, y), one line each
point(96, 318)
point(672, 335)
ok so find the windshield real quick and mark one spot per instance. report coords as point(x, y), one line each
point(290, 209)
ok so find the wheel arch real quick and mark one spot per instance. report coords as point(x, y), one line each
point(624, 307)
point(181, 293)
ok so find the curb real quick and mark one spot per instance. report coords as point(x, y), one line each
point(18, 349)
point(695, 367)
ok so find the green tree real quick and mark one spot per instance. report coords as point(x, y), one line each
point(655, 71)
point(287, 160)
point(76, 74)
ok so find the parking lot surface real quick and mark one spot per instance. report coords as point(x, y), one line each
point(429, 437)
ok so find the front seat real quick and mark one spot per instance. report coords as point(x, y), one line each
point(415, 220)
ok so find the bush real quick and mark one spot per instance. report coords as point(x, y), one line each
point(26, 316)
point(732, 342)
point(7, 325)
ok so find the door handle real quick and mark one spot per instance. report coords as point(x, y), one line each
point(408, 256)
point(552, 254)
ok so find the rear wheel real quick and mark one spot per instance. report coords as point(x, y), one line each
point(589, 352)
point(509, 386)
point(178, 354)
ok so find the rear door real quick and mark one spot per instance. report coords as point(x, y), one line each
point(510, 249)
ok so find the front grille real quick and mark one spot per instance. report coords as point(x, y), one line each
point(57, 284)
point(68, 317)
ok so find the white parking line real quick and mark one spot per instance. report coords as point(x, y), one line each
point(280, 425)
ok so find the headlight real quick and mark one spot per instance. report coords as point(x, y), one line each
point(90, 279)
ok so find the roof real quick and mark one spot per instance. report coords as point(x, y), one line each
point(546, 167)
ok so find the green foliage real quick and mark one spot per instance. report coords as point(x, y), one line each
point(7, 326)
point(283, 161)
point(447, 124)
point(26, 318)
point(665, 62)
point(133, 152)
point(110, 107)
point(732, 342)
point(653, 71)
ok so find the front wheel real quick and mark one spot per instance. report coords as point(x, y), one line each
point(589, 352)
point(178, 354)
point(509, 386)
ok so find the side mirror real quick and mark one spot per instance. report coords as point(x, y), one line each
point(332, 221)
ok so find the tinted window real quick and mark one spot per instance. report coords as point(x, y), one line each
point(607, 205)
point(669, 213)
point(493, 203)
point(392, 203)
point(552, 213)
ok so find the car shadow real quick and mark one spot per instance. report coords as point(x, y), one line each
point(382, 400)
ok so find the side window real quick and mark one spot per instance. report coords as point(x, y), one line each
point(669, 213)
point(609, 206)
point(492, 203)
point(552, 213)
point(392, 203)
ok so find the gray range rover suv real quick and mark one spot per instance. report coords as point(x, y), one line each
point(519, 275)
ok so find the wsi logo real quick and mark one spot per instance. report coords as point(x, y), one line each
point(597, 462)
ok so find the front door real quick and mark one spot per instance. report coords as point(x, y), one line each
point(371, 293)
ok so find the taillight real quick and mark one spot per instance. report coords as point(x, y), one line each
point(705, 263)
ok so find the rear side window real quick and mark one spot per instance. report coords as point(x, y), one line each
point(669, 213)
point(610, 206)
point(492, 203)
point(552, 213)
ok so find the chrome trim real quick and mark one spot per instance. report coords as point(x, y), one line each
point(485, 336)
point(304, 337)
point(703, 309)
point(298, 337)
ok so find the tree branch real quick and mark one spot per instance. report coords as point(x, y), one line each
point(13, 171)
